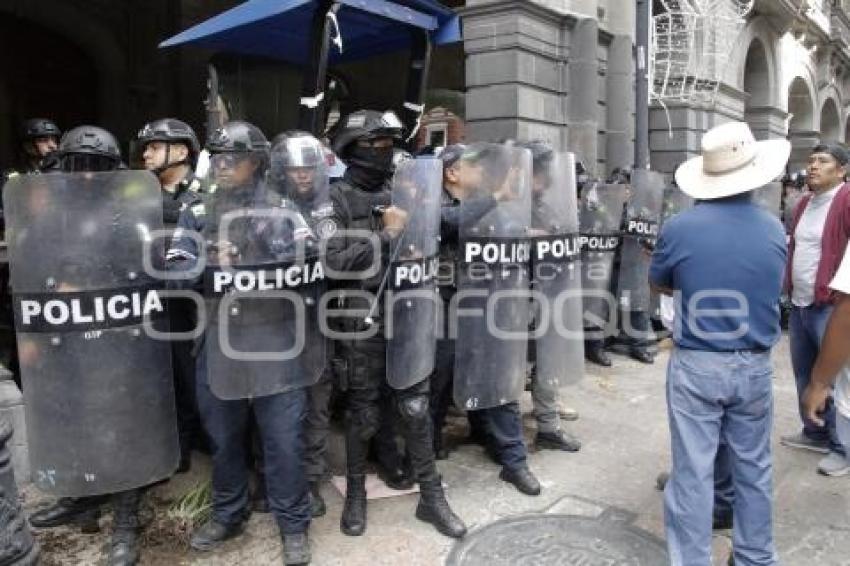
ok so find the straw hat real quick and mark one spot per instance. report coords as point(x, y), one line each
point(732, 162)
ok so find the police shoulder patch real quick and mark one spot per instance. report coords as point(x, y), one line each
point(323, 211)
point(326, 228)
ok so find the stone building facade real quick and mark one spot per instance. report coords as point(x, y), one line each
point(560, 70)
point(787, 75)
point(563, 70)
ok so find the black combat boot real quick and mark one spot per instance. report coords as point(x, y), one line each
point(353, 520)
point(433, 508)
point(82, 511)
point(317, 502)
point(597, 355)
point(212, 534)
point(124, 546)
point(557, 440)
point(522, 479)
point(296, 549)
point(642, 355)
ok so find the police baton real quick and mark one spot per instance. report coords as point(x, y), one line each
point(370, 316)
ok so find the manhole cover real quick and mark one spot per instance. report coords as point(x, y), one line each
point(558, 540)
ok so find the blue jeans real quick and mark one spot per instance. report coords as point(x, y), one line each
point(714, 398)
point(724, 487)
point(807, 327)
point(280, 422)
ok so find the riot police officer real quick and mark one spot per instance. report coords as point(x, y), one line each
point(465, 200)
point(39, 139)
point(169, 148)
point(361, 201)
point(299, 172)
point(544, 395)
point(93, 149)
point(642, 208)
point(240, 222)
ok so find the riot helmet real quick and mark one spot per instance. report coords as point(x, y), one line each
point(542, 157)
point(40, 138)
point(239, 154)
point(88, 148)
point(367, 126)
point(168, 131)
point(298, 166)
point(39, 128)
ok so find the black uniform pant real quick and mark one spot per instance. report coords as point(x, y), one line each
point(189, 429)
point(442, 383)
point(317, 428)
point(635, 328)
point(363, 371)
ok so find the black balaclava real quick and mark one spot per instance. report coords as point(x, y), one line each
point(369, 167)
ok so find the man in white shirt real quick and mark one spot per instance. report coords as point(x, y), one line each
point(820, 229)
point(831, 365)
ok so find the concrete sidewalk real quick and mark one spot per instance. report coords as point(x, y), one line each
point(626, 444)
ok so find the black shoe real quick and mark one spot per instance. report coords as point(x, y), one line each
point(598, 357)
point(642, 355)
point(434, 509)
point(522, 479)
point(317, 502)
point(82, 511)
point(212, 534)
point(558, 440)
point(395, 477)
point(296, 549)
point(353, 520)
point(123, 548)
point(722, 521)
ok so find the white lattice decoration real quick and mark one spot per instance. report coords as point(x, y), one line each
point(690, 47)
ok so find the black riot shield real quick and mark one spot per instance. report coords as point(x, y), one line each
point(263, 281)
point(675, 201)
point(792, 199)
point(640, 230)
point(492, 304)
point(770, 197)
point(98, 389)
point(600, 214)
point(412, 298)
point(556, 273)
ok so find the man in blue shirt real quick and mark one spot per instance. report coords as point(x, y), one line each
point(723, 262)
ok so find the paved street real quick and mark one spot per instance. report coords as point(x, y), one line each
point(624, 430)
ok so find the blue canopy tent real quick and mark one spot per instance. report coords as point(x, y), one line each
point(282, 29)
point(312, 33)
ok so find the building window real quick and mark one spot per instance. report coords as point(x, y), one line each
point(437, 134)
